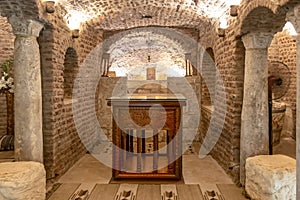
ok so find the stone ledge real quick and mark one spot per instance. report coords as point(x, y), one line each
point(271, 177)
point(22, 181)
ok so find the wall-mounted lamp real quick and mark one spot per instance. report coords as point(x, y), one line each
point(50, 6)
point(221, 32)
point(188, 65)
point(75, 33)
point(105, 64)
point(234, 10)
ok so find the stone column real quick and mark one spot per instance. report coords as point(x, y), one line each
point(294, 17)
point(254, 125)
point(28, 94)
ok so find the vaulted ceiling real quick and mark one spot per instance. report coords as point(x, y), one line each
point(124, 14)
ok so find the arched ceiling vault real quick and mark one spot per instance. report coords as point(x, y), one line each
point(133, 50)
point(124, 14)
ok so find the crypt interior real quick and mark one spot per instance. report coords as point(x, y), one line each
point(149, 99)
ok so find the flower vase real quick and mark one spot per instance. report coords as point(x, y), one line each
point(10, 113)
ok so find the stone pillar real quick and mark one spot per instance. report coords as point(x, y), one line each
point(254, 127)
point(294, 17)
point(28, 94)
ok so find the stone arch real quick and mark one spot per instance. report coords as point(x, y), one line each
point(52, 68)
point(260, 21)
point(70, 71)
point(181, 43)
point(257, 15)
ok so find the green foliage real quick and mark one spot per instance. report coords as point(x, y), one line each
point(7, 67)
point(7, 80)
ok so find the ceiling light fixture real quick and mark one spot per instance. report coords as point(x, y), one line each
point(75, 33)
point(49, 6)
point(222, 27)
point(221, 32)
point(234, 10)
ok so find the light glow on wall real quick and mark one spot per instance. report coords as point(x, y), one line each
point(75, 18)
point(223, 23)
point(190, 2)
point(290, 28)
point(234, 2)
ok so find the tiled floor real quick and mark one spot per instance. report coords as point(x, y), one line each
point(195, 171)
point(74, 191)
point(200, 176)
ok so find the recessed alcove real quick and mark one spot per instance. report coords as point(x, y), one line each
point(69, 73)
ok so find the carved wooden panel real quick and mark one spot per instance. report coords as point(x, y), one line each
point(147, 136)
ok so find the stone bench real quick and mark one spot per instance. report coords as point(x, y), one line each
point(270, 177)
point(22, 181)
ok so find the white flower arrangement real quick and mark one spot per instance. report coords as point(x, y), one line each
point(7, 80)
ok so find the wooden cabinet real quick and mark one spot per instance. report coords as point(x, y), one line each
point(147, 136)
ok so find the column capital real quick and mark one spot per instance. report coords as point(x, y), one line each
point(25, 27)
point(257, 40)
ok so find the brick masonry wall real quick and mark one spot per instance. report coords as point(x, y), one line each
point(229, 58)
point(63, 140)
point(283, 49)
point(189, 87)
point(229, 54)
point(208, 73)
point(6, 51)
point(108, 87)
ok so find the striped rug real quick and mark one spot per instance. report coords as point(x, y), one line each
point(91, 191)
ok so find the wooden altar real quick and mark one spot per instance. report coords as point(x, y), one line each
point(147, 136)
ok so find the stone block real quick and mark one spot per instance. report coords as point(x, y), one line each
point(271, 177)
point(22, 181)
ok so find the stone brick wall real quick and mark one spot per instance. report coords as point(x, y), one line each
point(283, 49)
point(6, 51)
point(229, 58)
point(63, 138)
point(205, 121)
point(189, 87)
point(208, 73)
point(106, 88)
